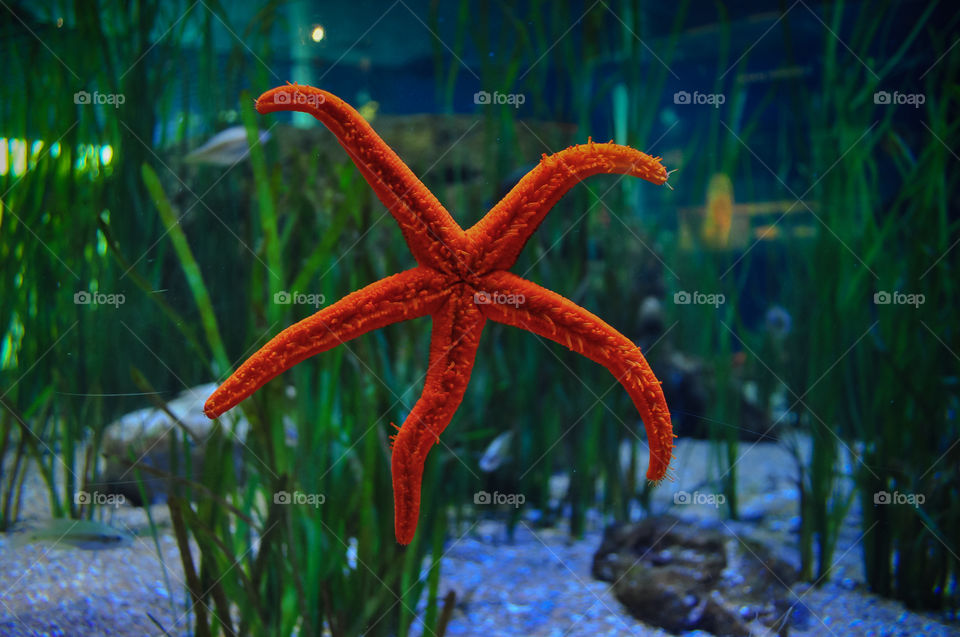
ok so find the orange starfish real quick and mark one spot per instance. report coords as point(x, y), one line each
point(461, 281)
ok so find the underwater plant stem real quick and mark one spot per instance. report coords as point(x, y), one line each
point(191, 269)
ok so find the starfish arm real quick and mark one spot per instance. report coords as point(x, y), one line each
point(399, 297)
point(435, 239)
point(453, 346)
point(507, 227)
point(552, 316)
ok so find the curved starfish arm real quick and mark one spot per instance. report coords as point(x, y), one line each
point(453, 345)
point(403, 296)
point(509, 224)
point(559, 319)
point(435, 239)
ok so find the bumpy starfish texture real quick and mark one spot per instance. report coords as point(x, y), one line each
point(459, 278)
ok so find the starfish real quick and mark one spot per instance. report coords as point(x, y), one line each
point(461, 280)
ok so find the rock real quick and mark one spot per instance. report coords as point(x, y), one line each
point(660, 541)
point(682, 576)
point(144, 435)
point(719, 619)
point(151, 423)
point(660, 596)
point(673, 598)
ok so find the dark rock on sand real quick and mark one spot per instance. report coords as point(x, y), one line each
point(683, 576)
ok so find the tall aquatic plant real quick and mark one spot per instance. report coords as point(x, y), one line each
point(59, 179)
point(909, 425)
point(876, 435)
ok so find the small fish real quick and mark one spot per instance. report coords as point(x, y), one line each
point(226, 148)
point(496, 453)
point(81, 534)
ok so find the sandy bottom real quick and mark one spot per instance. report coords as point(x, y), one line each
point(57, 590)
point(541, 586)
point(537, 585)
